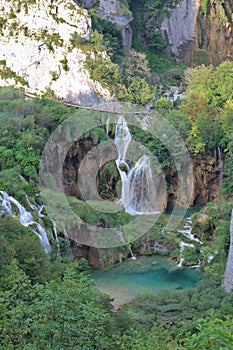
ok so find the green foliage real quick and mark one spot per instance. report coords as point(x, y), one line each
point(212, 333)
point(104, 71)
point(111, 36)
point(57, 315)
point(204, 6)
point(208, 103)
point(148, 15)
point(76, 40)
point(139, 91)
point(24, 128)
point(227, 186)
point(64, 63)
point(7, 73)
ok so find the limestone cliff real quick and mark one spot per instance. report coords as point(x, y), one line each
point(200, 32)
point(206, 174)
point(178, 28)
point(115, 11)
point(36, 50)
point(214, 28)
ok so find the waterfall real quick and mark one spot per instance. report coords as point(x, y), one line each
point(25, 218)
point(138, 193)
point(182, 245)
point(68, 240)
point(38, 208)
point(187, 231)
point(56, 239)
point(122, 238)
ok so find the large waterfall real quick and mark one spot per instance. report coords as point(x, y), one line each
point(138, 193)
point(24, 217)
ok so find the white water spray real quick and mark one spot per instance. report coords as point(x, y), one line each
point(24, 217)
point(138, 193)
point(122, 238)
point(56, 239)
point(182, 245)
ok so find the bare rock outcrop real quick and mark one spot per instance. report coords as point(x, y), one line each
point(178, 28)
point(115, 11)
point(198, 32)
point(36, 50)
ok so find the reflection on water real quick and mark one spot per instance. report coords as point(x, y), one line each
point(126, 281)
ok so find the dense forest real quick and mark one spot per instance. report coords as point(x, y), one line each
point(47, 298)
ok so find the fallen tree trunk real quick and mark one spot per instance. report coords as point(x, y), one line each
point(227, 285)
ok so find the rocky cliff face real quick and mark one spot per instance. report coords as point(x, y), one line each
point(206, 174)
point(115, 11)
point(179, 27)
point(198, 32)
point(214, 28)
point(36, 51)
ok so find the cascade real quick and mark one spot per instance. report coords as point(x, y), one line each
point(56, 239)
point(212, 256)
point(138, 193)
point(38, 208)
point(187, 232)
point(68, 240)
point(120, 233)
point(25, 218)
point(182, 245)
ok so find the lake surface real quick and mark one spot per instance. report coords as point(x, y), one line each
point(127, 280)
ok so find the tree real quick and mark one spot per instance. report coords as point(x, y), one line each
point(70, 314)
point(212, 333)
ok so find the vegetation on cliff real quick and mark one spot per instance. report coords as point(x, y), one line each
point(25, 127)
point(48, 301)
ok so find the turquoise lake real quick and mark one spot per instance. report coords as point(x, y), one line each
point(127, 280)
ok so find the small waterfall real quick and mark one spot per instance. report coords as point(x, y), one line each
point(41, 233)
point(25, 218)
point(187, 231)
point(182, 245)
point(138, 194)
point(133, 257)
point(120, 233)
point(38, 208)
point(68, 240)
point(56, 239)
point(212, 256)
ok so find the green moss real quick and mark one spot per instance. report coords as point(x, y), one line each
point(204, 6)
point(64, 63)
point(201, 58)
